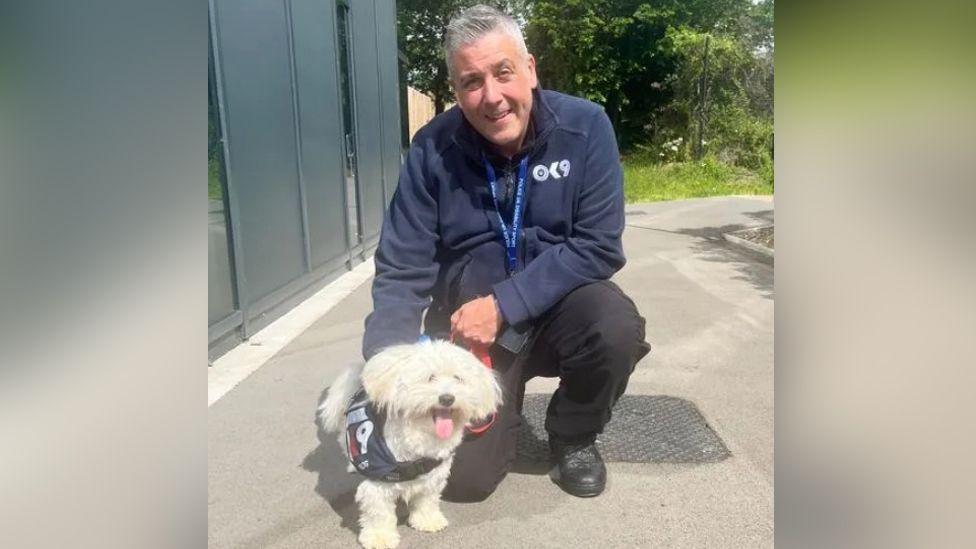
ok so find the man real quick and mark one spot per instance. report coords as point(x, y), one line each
point(506, 223)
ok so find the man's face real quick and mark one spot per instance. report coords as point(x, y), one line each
point(493, 84)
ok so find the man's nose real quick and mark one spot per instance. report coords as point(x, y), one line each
point(492, 92)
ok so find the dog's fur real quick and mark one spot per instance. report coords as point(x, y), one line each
point(406, 382)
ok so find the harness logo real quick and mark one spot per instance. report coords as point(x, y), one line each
point(556, 170)
point(362, 435)
point(359, 428)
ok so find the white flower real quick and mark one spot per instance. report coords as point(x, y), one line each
point(674, 148)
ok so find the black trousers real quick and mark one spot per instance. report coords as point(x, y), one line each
point(591, 340)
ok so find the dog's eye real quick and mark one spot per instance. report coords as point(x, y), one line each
point(431, 379)
point(457, 378)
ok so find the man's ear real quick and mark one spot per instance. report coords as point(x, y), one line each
point(454, 90)
point(532, 77)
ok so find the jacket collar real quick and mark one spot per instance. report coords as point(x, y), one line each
point(542, 121)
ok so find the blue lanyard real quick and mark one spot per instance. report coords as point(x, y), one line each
point(511, 237)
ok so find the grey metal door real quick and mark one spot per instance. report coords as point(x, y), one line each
point(310, 142)
point(347, 105)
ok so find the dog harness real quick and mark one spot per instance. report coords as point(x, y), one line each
point(367, 450)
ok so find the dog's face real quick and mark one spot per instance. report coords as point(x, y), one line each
point(435, 385)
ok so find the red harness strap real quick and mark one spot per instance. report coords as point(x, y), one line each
point(481, 353)
point(476, 430)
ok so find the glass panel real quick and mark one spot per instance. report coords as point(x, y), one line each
point(348, 123)
point(219, 273)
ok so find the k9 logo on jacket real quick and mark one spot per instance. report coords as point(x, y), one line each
point(556, 170)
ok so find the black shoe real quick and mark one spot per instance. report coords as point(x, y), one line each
point(579, 468)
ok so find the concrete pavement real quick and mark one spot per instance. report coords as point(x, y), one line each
point(709, 310)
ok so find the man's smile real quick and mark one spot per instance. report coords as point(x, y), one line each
point(498, 117)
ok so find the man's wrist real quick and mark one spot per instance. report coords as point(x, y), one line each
point(498, 312)
point(513, 308)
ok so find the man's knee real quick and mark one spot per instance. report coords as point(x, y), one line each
point(620, 340)
point(610, 321)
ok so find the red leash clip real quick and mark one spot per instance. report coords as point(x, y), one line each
point(478, 428)
point(482, 354)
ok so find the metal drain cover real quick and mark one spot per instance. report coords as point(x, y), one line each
point(644, 429)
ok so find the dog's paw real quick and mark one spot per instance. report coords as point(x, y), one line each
point(427, 520)
point(378, 538)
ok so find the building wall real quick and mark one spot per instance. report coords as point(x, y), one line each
point(290, 209)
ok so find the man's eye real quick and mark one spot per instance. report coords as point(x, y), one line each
point(471, 84)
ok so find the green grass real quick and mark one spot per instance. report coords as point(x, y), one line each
point(648, 181)
point(214, 191)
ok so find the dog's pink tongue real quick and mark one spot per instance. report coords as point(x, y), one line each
point(443, 424)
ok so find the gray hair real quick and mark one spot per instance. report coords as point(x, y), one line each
point(472, 24)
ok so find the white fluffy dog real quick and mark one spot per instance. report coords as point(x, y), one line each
point(428, 392)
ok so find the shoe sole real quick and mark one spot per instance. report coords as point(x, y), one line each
point(579, 491)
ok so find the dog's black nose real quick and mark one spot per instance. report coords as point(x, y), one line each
point(446, 399)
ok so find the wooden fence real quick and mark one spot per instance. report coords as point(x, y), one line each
point(420, 109)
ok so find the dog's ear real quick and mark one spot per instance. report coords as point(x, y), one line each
point(487, 392)
point(380, 377)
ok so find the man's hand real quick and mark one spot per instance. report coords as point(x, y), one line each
point(477, 322)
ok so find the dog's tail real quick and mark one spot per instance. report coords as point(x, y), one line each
point(332, 412)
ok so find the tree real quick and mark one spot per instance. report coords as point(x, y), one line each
point(610, 51)
point(629, 56)
point(737, 126)
point(642, 60)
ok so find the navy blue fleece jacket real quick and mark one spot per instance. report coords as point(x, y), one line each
point(441, 243)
